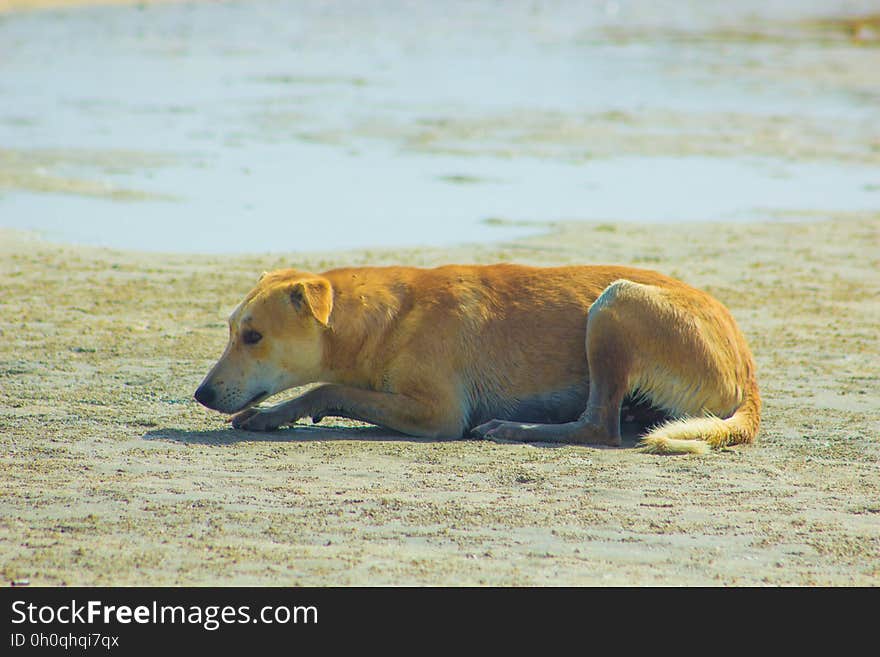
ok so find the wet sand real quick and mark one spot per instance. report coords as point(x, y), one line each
point(112, 474)
point(38, 5)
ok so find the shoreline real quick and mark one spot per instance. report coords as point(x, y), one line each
point(544, 231)
point(23, 6)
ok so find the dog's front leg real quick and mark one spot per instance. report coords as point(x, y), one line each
point(435, 417)
point(272, 417)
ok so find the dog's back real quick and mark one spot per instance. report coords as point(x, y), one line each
point(509, 337)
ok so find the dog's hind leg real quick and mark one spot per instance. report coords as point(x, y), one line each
point(667, 343)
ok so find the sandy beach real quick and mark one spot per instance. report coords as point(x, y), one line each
point(112, 474)
point(161, 131)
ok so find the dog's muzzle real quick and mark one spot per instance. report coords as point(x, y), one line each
point(205, 395)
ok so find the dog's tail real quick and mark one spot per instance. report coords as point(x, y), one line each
point(698, 434)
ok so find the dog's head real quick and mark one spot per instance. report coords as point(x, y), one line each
point(275, 341)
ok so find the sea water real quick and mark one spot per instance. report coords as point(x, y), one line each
point(276, 125)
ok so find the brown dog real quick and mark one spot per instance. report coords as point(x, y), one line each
point(504, 352)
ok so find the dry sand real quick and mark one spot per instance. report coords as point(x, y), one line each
point(112, 474)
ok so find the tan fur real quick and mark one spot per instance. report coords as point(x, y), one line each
point(508, 351)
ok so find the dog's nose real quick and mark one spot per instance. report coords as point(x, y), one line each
point(205, 395)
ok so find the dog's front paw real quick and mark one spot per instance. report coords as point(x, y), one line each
point(254, 419)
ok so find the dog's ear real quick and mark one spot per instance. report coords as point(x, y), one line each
point(316, 295)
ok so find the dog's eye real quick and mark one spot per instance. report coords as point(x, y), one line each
point(251, 337)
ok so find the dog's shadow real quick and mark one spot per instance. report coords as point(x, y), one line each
point(297, 434)
point(306, 433)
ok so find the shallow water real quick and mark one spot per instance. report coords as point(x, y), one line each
point(279, 126)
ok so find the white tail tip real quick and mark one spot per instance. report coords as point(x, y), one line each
point(663, 445)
